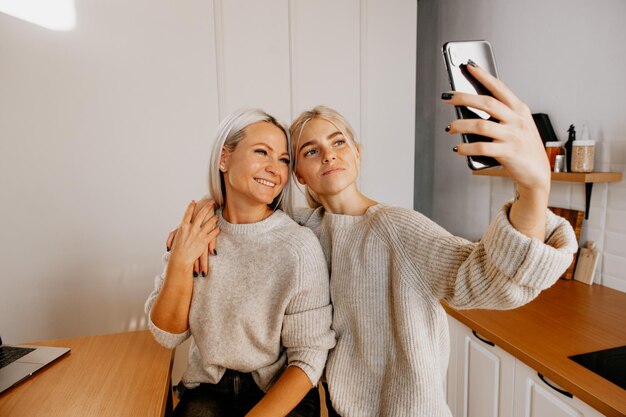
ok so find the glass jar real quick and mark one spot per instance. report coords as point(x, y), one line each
point(583, 152)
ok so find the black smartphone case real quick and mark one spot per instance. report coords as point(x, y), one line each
point(456, 56)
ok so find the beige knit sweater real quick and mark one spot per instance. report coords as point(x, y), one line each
point(264, 305)
point(390, 268)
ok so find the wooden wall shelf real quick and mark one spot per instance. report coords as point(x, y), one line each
point(588, 178)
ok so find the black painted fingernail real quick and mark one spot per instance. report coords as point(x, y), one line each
point(448, 128)
point(214, 252)
point(446, 96)
point(203, 274)
point(195, 274)
point(471, 63)
point(168, 248)
point(455, 149)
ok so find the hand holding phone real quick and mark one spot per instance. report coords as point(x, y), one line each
point(506, 125)
point(456, 56)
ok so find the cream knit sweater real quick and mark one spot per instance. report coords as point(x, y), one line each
point(390, 268)
point(265, 304)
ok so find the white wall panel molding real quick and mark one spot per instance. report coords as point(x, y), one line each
point(363, 44)
point(293, 56)
point(219, 57)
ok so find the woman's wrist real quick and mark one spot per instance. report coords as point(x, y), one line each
point(178, 272)
point(528, 212)
point(179, 264)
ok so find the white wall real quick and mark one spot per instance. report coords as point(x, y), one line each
point(104, 136)
point(105, 133)
point(565, 58)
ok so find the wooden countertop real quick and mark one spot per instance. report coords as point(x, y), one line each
point(568, 319)
point(122, 374)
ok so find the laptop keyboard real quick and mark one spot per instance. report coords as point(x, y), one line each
point(9, 354)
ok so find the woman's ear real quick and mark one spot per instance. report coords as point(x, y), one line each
point(357, 150)
point(224, 159)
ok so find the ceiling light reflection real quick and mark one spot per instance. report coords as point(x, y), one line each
point(50, 14)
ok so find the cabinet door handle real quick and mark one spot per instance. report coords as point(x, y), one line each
point(482, 339)
point(562, 391)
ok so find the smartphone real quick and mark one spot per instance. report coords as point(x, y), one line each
point(455, 56)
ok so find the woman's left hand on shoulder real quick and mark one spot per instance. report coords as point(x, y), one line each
point(201, 265)
point(516, 141)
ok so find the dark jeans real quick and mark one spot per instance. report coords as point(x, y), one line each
point(329, 406)
point(234, 396)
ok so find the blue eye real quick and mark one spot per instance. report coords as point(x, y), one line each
point(340, 142)
point(310, 152)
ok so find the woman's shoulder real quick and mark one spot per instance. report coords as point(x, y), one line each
point(299, 242)
point(294, 233)
point(306, 216)
point(401, 221)
point(394, 214)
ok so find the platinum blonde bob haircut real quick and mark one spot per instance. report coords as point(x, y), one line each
point(297, 126)
point(230, 132)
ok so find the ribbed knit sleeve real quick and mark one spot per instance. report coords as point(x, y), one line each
point(505, 269)
point(306, 332)
point(166, 339)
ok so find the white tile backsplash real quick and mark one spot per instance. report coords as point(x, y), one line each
point(560, 195)
point(613, 282)
point(614, 266)
point(615, 244)
point(596, 217)
point(577, 197)
point(501, 185)
point(617, 198)
point(606, 225)
point(616, 220)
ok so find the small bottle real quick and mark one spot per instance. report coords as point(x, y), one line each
point(559, 162)
point(552, 150)
point(568, 147)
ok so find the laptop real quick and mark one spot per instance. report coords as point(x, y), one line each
point(19, 362)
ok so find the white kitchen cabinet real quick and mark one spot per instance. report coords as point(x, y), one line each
point(485, 381)
point(485, 377)
point(535, 397)
point(450, 383)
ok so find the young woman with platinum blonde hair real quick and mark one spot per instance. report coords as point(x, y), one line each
point(261, 319)
point(391, 267)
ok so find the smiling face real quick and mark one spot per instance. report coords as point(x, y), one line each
point(256, 171)
point(327, 162)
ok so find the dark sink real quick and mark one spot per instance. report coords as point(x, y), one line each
point(609, 364)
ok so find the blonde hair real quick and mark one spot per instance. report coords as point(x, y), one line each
point(230, 132)
point(297, 126)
